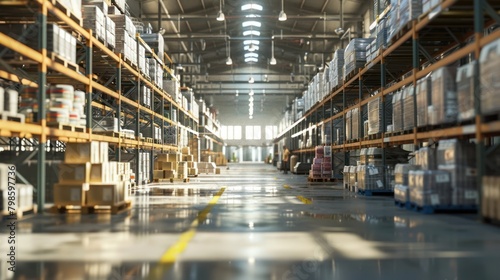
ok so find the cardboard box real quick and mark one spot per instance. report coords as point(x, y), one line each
point(168, 166)
point(193, 171)
point(187, 158)
point(112, 171)
point(82, 152)
point(158, 174)
point(105, 194)
point(70, 194)
point(186, 151)
point(217, 170)
point(103, 152)
point(167, 174)
point(75, 173)
point(99, 173)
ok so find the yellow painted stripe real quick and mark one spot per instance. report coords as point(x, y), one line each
point(286, 186)
point(304, 200)
point(169, 257)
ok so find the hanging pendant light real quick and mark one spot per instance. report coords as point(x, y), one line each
point(220, 14)
point(282, 15)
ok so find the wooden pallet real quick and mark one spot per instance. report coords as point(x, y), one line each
point(149, 140)
point(67, 64)
point(110, 133)
point(19, 214)
point(173, 180)
point(320, 180)
point(375, 192)
point(158, 141)
point(94, 209)
point(7, 116)
point(67, 127)
point(430, 209)
point(374, 136)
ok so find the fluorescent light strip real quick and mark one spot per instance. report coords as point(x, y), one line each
point(251, 32)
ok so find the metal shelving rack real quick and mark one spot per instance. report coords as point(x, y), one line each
point(109, 81)
point(406, 57)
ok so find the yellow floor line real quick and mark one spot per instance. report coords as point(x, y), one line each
point(170, 256)
point(304, 200)
point(286, 187)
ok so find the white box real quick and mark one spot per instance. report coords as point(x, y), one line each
point(103, 151)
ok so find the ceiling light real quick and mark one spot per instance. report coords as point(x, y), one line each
point(251, 23)
point(252, 55)
point(229, 61)
point(251, 48)
point(220, 14)
point(254, 47)
point(251, 42)
point(250, 80)
point(250, 99)
point(251, 7)
point(251, 93)
point(251, 59)
point(251, 32)
point(250, 117)
point(282, 15)
point(273, 60)
point(237, 92)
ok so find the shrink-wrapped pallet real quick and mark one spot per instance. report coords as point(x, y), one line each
point(408, 108)
point(489, 79)
point(375, 111)
point(459, 159)
point(355, 124)
point(465, 92)
point(425, 157)
point(401, 172)
point(444, 99)
point(348, 125)
point(430, 188)
point(355, 54)
point(397, 112)
point(423, 101)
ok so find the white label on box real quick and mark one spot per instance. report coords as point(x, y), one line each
point(107, 194)
point(75, 195)
point(85, 186)
point(380, 184)
point(442, 178)
point(434, 199)
point(372, 171)
point(471, 195)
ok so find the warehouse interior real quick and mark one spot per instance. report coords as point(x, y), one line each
point(249, 139)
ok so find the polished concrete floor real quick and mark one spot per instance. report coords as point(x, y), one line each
point(253, 222)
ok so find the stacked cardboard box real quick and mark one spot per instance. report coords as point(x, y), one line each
point(355, 54)
point(87, 178)
point(207, 167)
point(144, 163)
point(397, 112)
point(401, 179)
point(408, 108)
point(322, 163)
point(430, 187)
point(125, 33)
point(166, 166)
point(423, 101)
point(375, 111)
point(192, 165)
point(93, 18)
point(156, 42)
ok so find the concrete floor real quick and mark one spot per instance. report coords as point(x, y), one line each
point(265, 225)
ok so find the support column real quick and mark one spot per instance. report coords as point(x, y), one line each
point(42, 81)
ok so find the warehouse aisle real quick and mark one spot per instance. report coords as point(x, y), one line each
point(253, 222)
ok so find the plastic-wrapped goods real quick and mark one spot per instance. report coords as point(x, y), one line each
point(348, 125)
point(401, 193)
point(427, 5)
point(156, 42)
point(375, 111)
point(319, 151)
point(346, 171)
point(372, 178)
point(423, 101)
point(444, 99)
point(110, 32)
point(93, 18)
point(353, 176)
point(430, 188)
point(374, 156)
point(490, 199)
point(459, 159)
point(465, 91)
point(408, 108)
point(382, 34)
point(401, 172)
point(363, 156)
point(425, 157)
point(355, 54)
point(360, 175)
point(490, 82)
point(355, 124)
point(123, 24)
point(336, 68)
point(397, 112)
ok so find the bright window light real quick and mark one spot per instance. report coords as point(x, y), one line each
point(248, 42)
point(251, 32)
point(251, 7)
point(247, 48)
point(251, 55)
point(251, 59)
point(251, 23)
